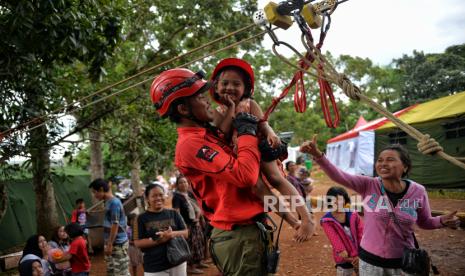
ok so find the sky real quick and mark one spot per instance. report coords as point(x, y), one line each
point(386, 29)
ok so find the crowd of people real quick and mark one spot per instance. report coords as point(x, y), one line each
point(229, 159)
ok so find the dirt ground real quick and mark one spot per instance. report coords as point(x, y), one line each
point(446, 246)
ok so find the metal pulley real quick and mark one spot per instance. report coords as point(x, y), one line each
point(281, 14)
point(275, 18)
point(310, 15)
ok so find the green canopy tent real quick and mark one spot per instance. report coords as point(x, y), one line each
point(19, 222)
point(444, 120)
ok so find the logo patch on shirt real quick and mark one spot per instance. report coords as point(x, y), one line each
point(206, 153)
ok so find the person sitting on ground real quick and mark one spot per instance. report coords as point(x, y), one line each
point(233, 85)
point(59, 244)
point(31, 268)
point(393, 204)
point(344, 230)
point(152, 231)
point(37, 249)
point(185, 204)
point(59, 239)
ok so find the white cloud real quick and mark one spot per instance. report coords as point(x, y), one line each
point(385, 29)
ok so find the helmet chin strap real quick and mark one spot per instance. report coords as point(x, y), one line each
point(207, 125)
point(192, 117)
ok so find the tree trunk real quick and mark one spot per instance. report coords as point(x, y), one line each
point(46, 211)
point(96, 160)
point(135, 173)
point(3, 199)
point(135, 160)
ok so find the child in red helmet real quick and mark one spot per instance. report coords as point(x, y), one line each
point(232, 89)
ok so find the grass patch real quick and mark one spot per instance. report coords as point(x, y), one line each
point(446, 194)
point(318, 174)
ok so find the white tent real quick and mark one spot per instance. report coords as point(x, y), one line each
point(354, 151)
point(354, 155)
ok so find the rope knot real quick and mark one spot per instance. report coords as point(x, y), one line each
point(350, 89)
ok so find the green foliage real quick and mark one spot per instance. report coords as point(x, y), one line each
point(59, 44)
point(38, 37)
point(446, 194)
point(430, 76)
point(155, 31)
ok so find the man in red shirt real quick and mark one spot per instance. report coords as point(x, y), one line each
point(221, 180)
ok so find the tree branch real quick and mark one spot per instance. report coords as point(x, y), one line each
point(163, 46)
point(89, 122)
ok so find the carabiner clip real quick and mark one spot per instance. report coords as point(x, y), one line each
point(272, 35)
point(325, 27)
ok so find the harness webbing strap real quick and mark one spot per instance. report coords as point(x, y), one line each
point(300, 94)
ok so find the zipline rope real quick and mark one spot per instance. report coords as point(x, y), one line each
point(327, 71)
point(44, 118)
point(149, 79)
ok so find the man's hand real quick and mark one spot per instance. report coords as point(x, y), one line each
point(245, 124)
point(108, 248)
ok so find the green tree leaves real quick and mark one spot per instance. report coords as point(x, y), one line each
point(430, 76)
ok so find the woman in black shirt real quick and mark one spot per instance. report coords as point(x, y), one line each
point(154, 229)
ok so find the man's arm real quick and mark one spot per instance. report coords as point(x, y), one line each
point(208, 157)
point(111, 239)
point(115, 213)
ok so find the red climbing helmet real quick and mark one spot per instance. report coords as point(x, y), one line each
point(233, 62)
point(174, 84)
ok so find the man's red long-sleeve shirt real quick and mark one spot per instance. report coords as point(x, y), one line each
point(222, 182)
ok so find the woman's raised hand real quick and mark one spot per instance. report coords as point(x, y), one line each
point(311, 147)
